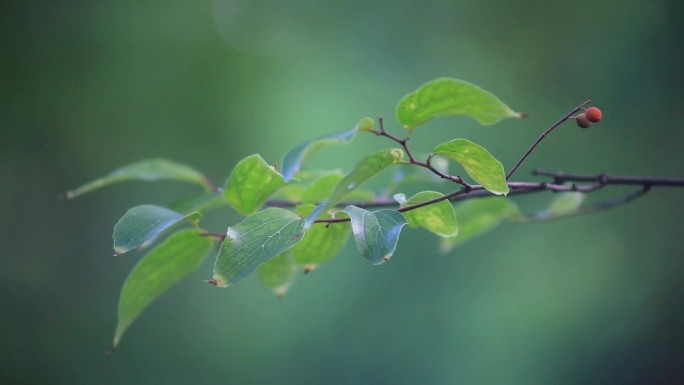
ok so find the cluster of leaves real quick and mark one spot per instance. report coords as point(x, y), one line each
point(312, 224)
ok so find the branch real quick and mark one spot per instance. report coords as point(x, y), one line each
point(558, 184)
point(560, 121)
point(412, 160)
point(599, 181)
point(561, 177)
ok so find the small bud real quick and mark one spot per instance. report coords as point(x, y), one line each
point(583, 121)
point(593, 114)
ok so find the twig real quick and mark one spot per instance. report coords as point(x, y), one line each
point(412, 160)
point(561, 177)
point(214, 235)
point(617, 201)
point(543, 135)
point(598, 206)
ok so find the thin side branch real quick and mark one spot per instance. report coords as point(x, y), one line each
point(412, 160)
point(560, 121)
point(561, 177)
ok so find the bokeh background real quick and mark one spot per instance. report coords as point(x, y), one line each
point(87, 86)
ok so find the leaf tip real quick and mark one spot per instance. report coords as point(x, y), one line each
point(65, 196)
point(217, 281)
point(112, 350)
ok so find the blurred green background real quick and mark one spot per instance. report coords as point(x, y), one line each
point(87, 86)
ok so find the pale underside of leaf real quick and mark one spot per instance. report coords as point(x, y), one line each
point(376, 233)
point(149, 170)
point(254, 241)
point(292, 161)
point(141, 225)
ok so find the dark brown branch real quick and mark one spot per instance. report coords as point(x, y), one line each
point(543, 135)
point(412, 160)
point(518, 188)
point(561, 177)
point(558, 184)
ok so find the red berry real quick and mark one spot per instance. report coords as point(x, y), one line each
point(583, 121)
point(593, 114)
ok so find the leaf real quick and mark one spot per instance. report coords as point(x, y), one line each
point(363, 171)
point(146, 170)
point(278, 273)
point(251, 183)
point(321, 188)
point(142, 224)
point(479, 216)
point(162, 267)
point(448, 96)
point(566, 203)
point(291, 192)
point(376, 233)
point(202, 203)
point(563, 204)
point(292, 161)
point(478, 163)
point(256, 240)
point(321, 242)
point(438, 218)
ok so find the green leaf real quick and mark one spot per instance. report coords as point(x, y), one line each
point(321, 242)
point(292, 161)
point(562, 205)
point(478, 216)
point(162, 267)
point(256, 240)
point(251, 183)
point(142, 224)
point(278, 273)
point(292, 192)
point(478, 163)
point(438, 218)
point(146, 170)
point(566, 203)
point(363, 171)
point(321, 188)
point(376, 233)
point(202, 203)
point(447, 96)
